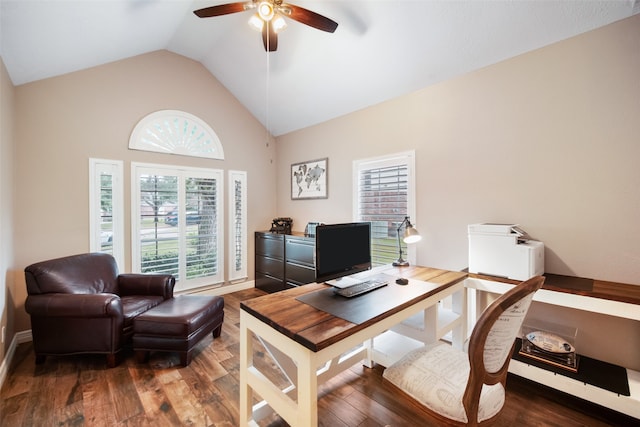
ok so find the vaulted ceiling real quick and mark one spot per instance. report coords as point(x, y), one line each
point(381, 49)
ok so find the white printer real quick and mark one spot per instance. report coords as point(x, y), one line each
point(504, 250)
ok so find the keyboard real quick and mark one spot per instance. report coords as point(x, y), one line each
point(361, 288)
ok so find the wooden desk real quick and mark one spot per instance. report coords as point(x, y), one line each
point(311, 345)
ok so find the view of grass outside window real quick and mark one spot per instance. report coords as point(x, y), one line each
point(159, 241)
point(178, 225)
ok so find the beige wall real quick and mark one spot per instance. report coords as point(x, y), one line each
point(549, 140)
point(63, 121)
point(7, 285)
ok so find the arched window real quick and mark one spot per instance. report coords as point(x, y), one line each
point(176, 132)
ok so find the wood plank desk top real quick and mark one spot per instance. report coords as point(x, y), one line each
point(316, 329)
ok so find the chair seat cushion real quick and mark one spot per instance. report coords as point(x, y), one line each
point(436, 376)
point(133, 306)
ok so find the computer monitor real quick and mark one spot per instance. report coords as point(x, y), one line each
point(342, 249)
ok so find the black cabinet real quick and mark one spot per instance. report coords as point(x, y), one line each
point(299, 268)
point(283, 260)
point(269, 272)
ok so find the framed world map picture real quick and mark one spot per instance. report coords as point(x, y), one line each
point(309, 179)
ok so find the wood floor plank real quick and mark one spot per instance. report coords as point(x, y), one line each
point(377, 411)
point(338, 408)
point(22, 372)
point(81, 391)
point(202, 383)
point(125, 399)
point(13, 409)
point(98, 407)
point(152, 396)
point(188, 408)
point(71, 414)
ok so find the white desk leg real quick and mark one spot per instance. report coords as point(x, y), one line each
point(307, 391)
point(368, 362)
point(246, 361)
point(482, 301)
point(459, 306)
point(430, 324)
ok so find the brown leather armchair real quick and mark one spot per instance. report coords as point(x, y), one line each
point(80, 304)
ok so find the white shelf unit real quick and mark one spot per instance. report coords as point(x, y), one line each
point(629, 405)
point(446, 320)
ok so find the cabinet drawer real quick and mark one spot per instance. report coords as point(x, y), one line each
point(300, 274)
point(270, 245)
point(270, 266)
point(300, 251)
point(268, 283)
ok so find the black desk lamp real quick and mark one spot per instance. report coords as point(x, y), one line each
point(411, 235)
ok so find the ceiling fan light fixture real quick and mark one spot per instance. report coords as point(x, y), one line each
point(269, 17)
point(256, 22)
point(278, 23)
point(265, 10)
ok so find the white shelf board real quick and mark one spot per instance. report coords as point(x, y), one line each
point(629, 405)
point(414, 326)
point(563, 299)
point(390, 346)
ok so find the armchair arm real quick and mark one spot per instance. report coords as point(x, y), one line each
point(74, 305)
point(146, 284)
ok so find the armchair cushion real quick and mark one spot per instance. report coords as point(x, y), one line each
point(133, 306)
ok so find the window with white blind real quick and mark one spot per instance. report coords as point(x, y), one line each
point(106, 208)
point(177, 218)
point(237, 225)
point(384, 193)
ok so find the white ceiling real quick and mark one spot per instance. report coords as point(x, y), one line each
point(382, 48)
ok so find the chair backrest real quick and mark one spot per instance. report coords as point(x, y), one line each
point(492, 340)
point(88, 273)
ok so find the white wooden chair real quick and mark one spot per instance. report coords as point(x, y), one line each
point(461, 388)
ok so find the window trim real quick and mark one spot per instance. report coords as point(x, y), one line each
point(115, 169)
point(396, 159)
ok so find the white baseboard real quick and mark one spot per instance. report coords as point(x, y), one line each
point(221, 290)
point(19, 338)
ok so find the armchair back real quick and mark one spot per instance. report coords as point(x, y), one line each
point(89, 273)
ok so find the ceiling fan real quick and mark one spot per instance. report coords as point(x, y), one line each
point(269, 17)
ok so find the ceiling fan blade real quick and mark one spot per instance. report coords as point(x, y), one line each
point(223, 9)
point(269, 37)
point(309, 18)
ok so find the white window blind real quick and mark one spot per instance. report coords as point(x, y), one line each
point(176, 219)
point(384, 196)
point(238, 225)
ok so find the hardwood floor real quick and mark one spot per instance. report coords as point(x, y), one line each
point(81, 391)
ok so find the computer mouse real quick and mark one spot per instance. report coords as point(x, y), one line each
point(402, 281)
